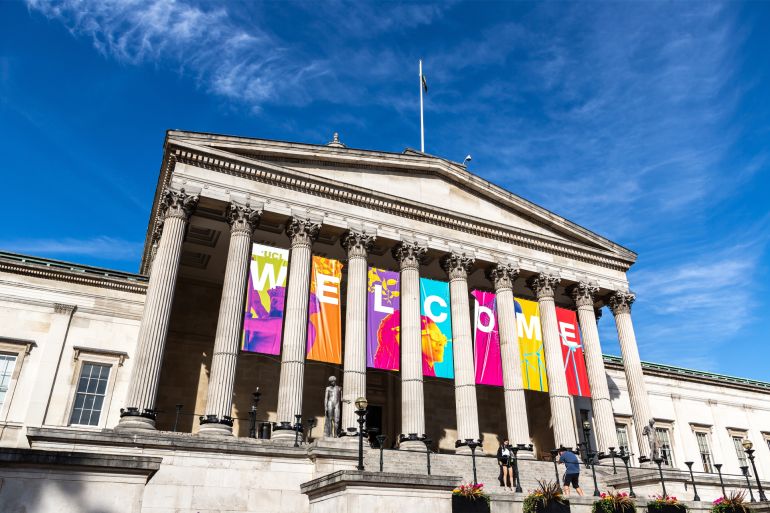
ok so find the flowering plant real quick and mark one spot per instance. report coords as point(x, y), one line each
point(545, 493)
point(471, 492)
point(660, 502)
point(614, 503)
point(734, 502)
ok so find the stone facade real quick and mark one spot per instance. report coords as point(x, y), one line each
point(148, 365)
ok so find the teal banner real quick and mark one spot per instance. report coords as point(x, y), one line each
point(437, 356)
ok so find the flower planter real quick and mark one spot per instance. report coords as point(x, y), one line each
point(667, 508)
point(462, 504)
point(553, 507)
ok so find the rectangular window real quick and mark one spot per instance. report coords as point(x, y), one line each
point(664, 439)
point(90, 394)
point(705, 450)
point(738, 443)
point(7, 364)
point(622, 432)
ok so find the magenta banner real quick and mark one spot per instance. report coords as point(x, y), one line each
point(486, 340)
point(383, 320)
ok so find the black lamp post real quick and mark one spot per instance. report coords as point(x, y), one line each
point(591, 456)
point(361, 405)
point(515, 450)
point(381, 440)
point(297, 428)
point(659, 463)
point(692, 479)
point(624, 457)
point(718, 466)
point(745, 470)
point(554, 453)
point(587, 440)
point(176, 418)
point(427, 441)
point(472, 444)
point(748, 447)
point(253, 413)
point(612, 455)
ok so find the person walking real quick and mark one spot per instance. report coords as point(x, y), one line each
point(504, 461)
point(572, 472)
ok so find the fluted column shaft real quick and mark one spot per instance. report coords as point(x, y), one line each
point(176, 207)
point(466, 408)
point(409, 256)
point(354, 364)
point(562, 420)
point(620, 305)
point(503, 276)
point(302, 233)
point(604, 420)
point(219, 403)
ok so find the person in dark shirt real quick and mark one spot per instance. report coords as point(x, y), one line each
point(572, 472)
point(504, 456)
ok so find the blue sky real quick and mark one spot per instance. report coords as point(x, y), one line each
point(646, 122)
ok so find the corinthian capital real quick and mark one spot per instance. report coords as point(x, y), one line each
point(302, 232)
point(177, 204)
point(357, 244)
point(409, 255)
point(543, 285)
point(457, 265)
point(243, 218)
point(620, 302)
point(584, 294)
point(502, 276)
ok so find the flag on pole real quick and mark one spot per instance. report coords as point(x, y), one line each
point(424, 83)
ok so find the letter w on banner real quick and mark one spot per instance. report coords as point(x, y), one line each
point(324, 325)
point(436, 321)
point(572, 353)
point(265, 299)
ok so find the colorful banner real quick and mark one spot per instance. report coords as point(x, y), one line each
point(383, 321)
point(265, 300)
point(572, 352)
point(486, 340)
point(324, 331)
point(436, 323)
point(531, 345)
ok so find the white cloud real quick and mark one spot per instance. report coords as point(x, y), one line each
point(103, 247)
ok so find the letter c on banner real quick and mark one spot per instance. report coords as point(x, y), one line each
point(429, 301)
point(490, 325)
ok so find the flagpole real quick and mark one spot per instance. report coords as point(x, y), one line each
point(422, 122)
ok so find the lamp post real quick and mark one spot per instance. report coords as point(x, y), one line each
point(297, 427)
point(692, 479)
point(176, 418)
point(253, 413)
point(427, 441)
point(624, 457)
point(748, 447)
point(659, 463)
point(554, 453)
point(381, 440)
point(591, 456)
point(587, 440)
point(361, 404)
point(718, 466)
point(472, 444)
point(612, 455)
point(515, 449)
point(745, 471)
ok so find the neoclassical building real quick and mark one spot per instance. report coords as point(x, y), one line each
point(162, 366)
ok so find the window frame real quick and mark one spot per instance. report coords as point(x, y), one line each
point(737, 435)
point(20, 349)
point(83, 356)
point(706, 432)
point(626, 423)
point(667, 454)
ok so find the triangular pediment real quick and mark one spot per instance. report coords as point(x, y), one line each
point(412, 178)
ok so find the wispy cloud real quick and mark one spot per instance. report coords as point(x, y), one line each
point(104, 247)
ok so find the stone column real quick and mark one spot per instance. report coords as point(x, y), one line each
point(357, 245)
point(176, 208)
point(562, 419)
point(503, 276)
point(302, 233)
point(219, 403)
point(584, 295)
point(409, 255)
point(620, 305)
point(457, 267)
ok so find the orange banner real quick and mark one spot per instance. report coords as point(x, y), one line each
point(324, 331)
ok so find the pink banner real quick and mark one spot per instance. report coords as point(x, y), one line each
point(489, 368)
point(572, 353)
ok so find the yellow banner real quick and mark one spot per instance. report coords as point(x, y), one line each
point(531, 345)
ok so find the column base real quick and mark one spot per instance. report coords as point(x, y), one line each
point(285, 431)
point(211, 425)
point(131, 419)
point(462, 448)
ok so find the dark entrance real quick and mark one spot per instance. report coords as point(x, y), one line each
point(374, 422)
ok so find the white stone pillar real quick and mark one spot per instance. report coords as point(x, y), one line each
point(176, 208)
point(457, 266)
point(620, 305)
point(357, 245)
point(584, 295)
point(302, 233)
point(562, 420)
point(409, 255)
point(219, 402)
point(503, 276)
